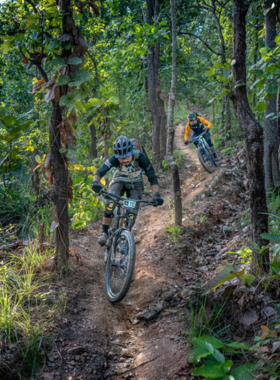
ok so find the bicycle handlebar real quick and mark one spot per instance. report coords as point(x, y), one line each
point(197, 137)
point(107, 195)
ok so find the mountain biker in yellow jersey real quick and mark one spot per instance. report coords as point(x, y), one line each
point(130, 162)
point(197, 124)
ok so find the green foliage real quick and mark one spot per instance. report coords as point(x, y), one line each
point(175, 232)
point(230, 271)
point(85, 205)
point(26, 310)
point(215, 365)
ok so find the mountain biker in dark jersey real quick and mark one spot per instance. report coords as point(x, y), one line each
point(128, 178)
point(198, 124)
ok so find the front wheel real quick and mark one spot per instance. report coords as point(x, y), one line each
point(206, 160)
point(120, 266)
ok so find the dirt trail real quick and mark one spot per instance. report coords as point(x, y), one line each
point(143, 336)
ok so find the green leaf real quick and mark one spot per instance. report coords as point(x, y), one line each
point(272, 89)
point(272, 237)
point(242, 346)
point(53, 45)
point(264, 50)
point(74, 61)
point(261, 107)
point(197, 353)
point(38, 159)
point(57, 62)
point(63, 150)
point(226, 274)
point(270, 114)
point(210, 72)
point(80, 77)
point(277, 39)
point(62, 79)
point(227, 365)
point(211, 372)
point(248, 279)
point(6, 46)
point(94, 102)
point(243, 372)
point(216, 343)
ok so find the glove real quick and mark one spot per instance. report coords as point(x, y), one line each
point(96, 187)
point(206, 130)
point(158, 200)
point(187, 142)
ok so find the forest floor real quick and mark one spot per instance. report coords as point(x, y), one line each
point(145, 335)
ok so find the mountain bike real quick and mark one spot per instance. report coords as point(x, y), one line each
point(120, 250)
point(204, 154)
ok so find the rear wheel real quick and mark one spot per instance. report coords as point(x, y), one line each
point(120, 266)
point(206, 160)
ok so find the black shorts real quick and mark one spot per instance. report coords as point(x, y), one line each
point(131, 190)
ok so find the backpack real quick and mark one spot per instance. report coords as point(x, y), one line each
point(137, 148)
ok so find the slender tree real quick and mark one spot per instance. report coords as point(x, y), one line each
point(170, 122)
point(253, 134)
point(271, 133)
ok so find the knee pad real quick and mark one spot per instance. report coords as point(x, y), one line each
point(109, 209)
point(209, 142)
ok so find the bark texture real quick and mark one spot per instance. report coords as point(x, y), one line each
point(60, 189)
point(170, 123)
point(253, 134)
point(271, 133)
point(152, 84)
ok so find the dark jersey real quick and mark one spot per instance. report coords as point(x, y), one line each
point(142, 162)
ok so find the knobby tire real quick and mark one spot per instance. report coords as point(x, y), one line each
point(111, 295)
point(202, 151)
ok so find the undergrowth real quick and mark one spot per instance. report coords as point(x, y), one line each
point(27, 308)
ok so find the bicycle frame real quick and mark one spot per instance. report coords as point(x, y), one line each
point(201, 141)
point(121, 212)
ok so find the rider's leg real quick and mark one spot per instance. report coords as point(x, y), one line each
point(135, 191)
point(207, 137)
point(114, 188)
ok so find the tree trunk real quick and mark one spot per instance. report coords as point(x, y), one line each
point(170, 123)
point(228, 113)
point(35, 180)
point(93, 145)
point(60, 189)
point(253, 135)
point(162, 115)
point(152, 93)
point(271, 134)
point(225, 106)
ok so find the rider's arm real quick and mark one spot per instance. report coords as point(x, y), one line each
point(146, 165)
point(187, 131)
point(205, 122)
point(112, 162)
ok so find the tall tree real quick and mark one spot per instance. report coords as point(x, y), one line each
point(170, 122)
point(252, 131)
point(271, 132)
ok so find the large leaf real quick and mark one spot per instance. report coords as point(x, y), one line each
point(211, 372)
point(197, 353)
point(208, 346)
point(80, 77)
point(244, 372)
point(74, 61)
point(62, 79)
point(242, 346)
point(216, 343)
point(226, 274)
point(261, 107)
point(272, 237)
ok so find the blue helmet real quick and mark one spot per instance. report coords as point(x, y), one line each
point(192, 116)
point(122, 147)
